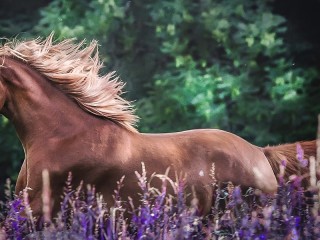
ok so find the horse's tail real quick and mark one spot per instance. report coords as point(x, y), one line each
point(290, 154)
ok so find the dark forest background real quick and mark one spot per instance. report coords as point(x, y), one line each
point(249, 67)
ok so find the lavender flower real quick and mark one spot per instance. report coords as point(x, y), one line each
point(236, 214)
point(300, 156)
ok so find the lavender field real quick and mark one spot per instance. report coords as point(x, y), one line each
point(293, 213)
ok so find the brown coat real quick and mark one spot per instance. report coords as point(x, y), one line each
point(58, 135)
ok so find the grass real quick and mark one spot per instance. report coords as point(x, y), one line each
point(293, 213)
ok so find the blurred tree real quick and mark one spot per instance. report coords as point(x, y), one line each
point(228, 66)
point(17, 17)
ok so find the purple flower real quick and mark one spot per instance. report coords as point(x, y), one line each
point(235, 215)
point(300, 156)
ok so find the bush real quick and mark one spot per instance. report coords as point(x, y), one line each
point(227, 66)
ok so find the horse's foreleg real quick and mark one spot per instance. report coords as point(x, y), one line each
point(22, 178)
point(28, 192)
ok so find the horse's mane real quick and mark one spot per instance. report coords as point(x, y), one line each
point(75, 70)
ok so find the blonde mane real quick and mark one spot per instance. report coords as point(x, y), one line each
point(75, 69)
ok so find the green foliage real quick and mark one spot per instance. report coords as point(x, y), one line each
point(11, 156)
point(227, 67)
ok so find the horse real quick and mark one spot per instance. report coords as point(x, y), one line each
point(71, 118)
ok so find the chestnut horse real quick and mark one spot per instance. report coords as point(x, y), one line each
point(71, 119)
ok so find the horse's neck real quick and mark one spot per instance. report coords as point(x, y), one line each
point(39, 110)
